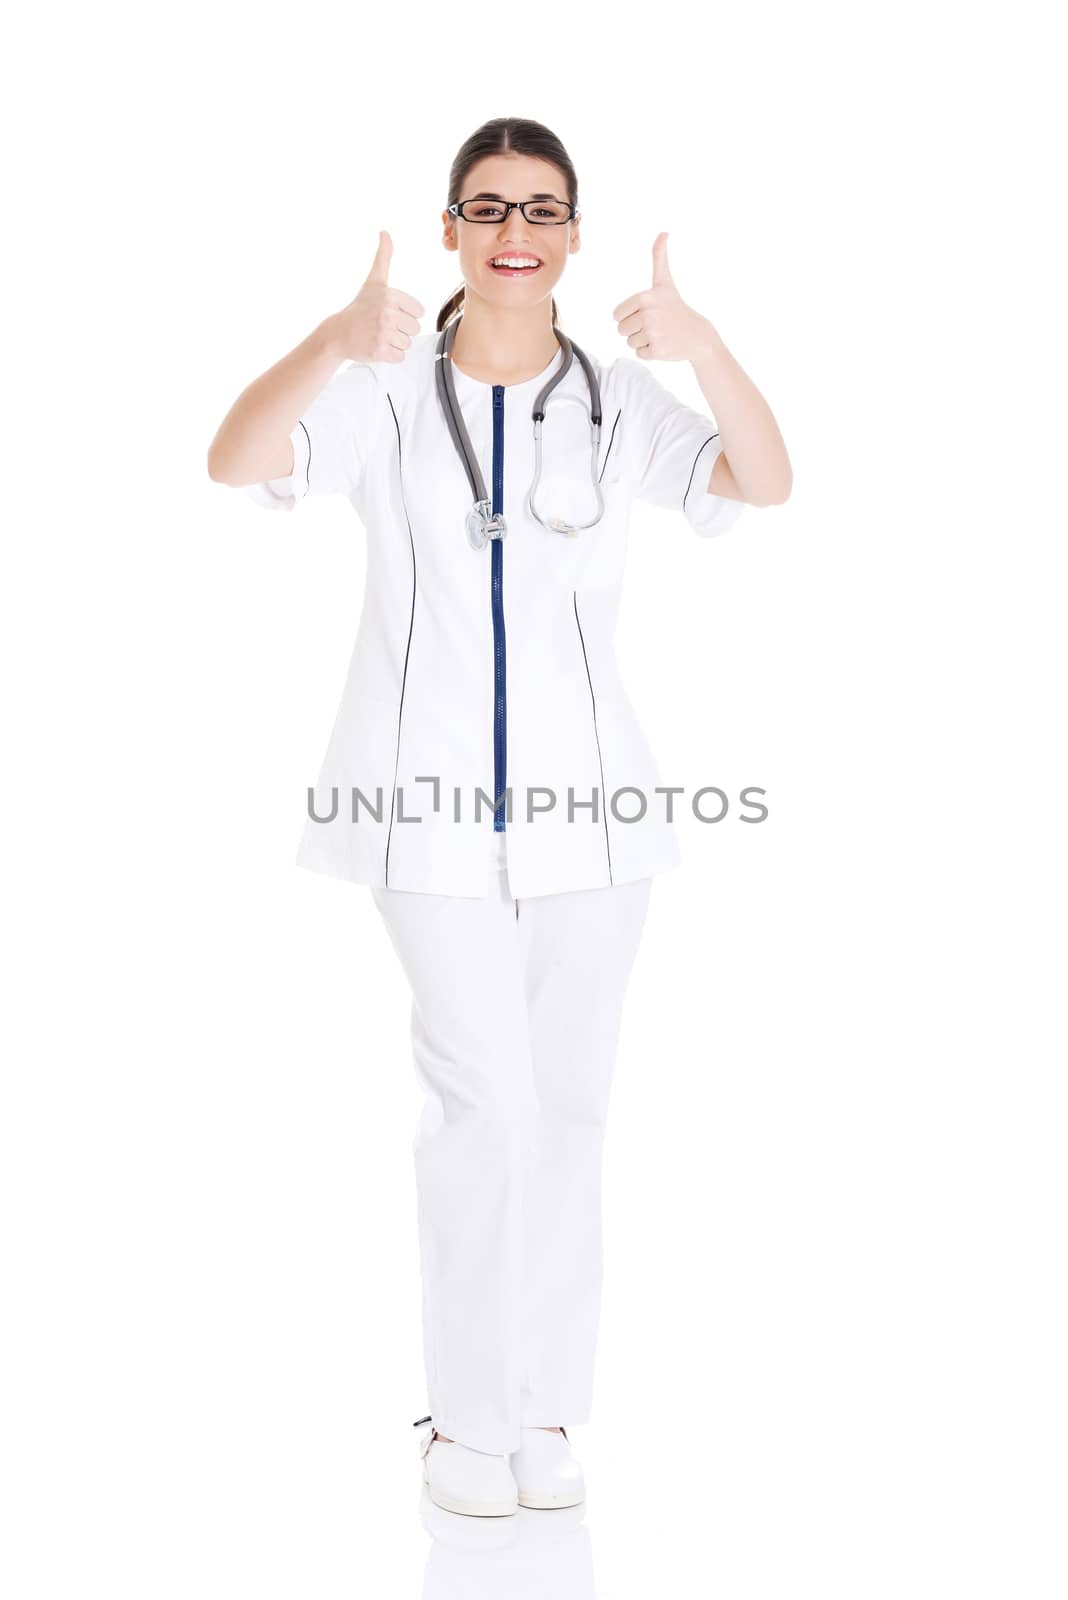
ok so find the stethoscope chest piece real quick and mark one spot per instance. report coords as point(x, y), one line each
point(483, 525)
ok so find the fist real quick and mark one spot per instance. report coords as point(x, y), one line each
point(657, 323)
point(380, 324)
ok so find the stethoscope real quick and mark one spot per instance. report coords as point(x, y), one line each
point(482, 524)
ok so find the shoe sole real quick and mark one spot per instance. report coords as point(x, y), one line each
point(550, 1502)
point(470, 1508)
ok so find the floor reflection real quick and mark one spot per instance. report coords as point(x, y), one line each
point(531, 1553)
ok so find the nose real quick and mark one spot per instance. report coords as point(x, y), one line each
point(517, 231)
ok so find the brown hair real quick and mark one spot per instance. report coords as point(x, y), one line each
point(515, 136)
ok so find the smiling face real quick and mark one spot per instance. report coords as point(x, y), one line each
point(512, 177)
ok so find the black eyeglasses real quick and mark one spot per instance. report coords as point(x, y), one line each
point(545, 213)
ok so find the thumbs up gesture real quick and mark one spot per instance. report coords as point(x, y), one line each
point(657, 323)
point(380, 324)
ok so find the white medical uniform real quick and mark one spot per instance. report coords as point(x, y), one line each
point(517, 931)
point(451, 692)
point(515, 1018)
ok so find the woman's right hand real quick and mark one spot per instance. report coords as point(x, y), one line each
point(380, 323)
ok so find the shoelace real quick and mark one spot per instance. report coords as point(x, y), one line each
point(428, 1437)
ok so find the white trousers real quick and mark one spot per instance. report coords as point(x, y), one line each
point(516, 1012)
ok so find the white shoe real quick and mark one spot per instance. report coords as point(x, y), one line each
point(545, 1470)
point(465, 1480)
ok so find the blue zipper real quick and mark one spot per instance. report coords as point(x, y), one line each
point(500, 731)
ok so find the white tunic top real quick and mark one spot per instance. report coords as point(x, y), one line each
point(492, 671)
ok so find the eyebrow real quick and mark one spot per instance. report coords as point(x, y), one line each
point(485, 194)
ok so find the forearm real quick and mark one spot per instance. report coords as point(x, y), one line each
point(748, 431)
point(252, 442)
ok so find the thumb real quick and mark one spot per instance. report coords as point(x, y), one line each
point(661, 270)
point(379, 272)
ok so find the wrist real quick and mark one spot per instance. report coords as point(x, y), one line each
point(707, 346)
point(326, 340)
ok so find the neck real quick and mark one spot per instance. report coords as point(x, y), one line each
point(501, 345)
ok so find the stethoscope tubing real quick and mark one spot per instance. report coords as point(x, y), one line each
point(482, 523)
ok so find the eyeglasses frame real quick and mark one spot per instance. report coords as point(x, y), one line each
point(456, 210)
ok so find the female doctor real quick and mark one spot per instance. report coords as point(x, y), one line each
point(486, 776)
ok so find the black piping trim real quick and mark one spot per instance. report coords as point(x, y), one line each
point(407, 650)
point(693, 469)
point(307, 470)
point(600, 764)
point(611, 441)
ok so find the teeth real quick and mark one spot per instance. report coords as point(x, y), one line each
point(514, 261)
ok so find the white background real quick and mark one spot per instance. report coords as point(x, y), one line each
point(832, 1346)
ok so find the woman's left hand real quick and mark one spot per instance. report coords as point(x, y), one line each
point(658, 324)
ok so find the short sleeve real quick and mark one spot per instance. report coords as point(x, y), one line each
point(332, 442)
point(672, 449)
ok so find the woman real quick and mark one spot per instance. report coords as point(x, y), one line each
point(486, 776)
